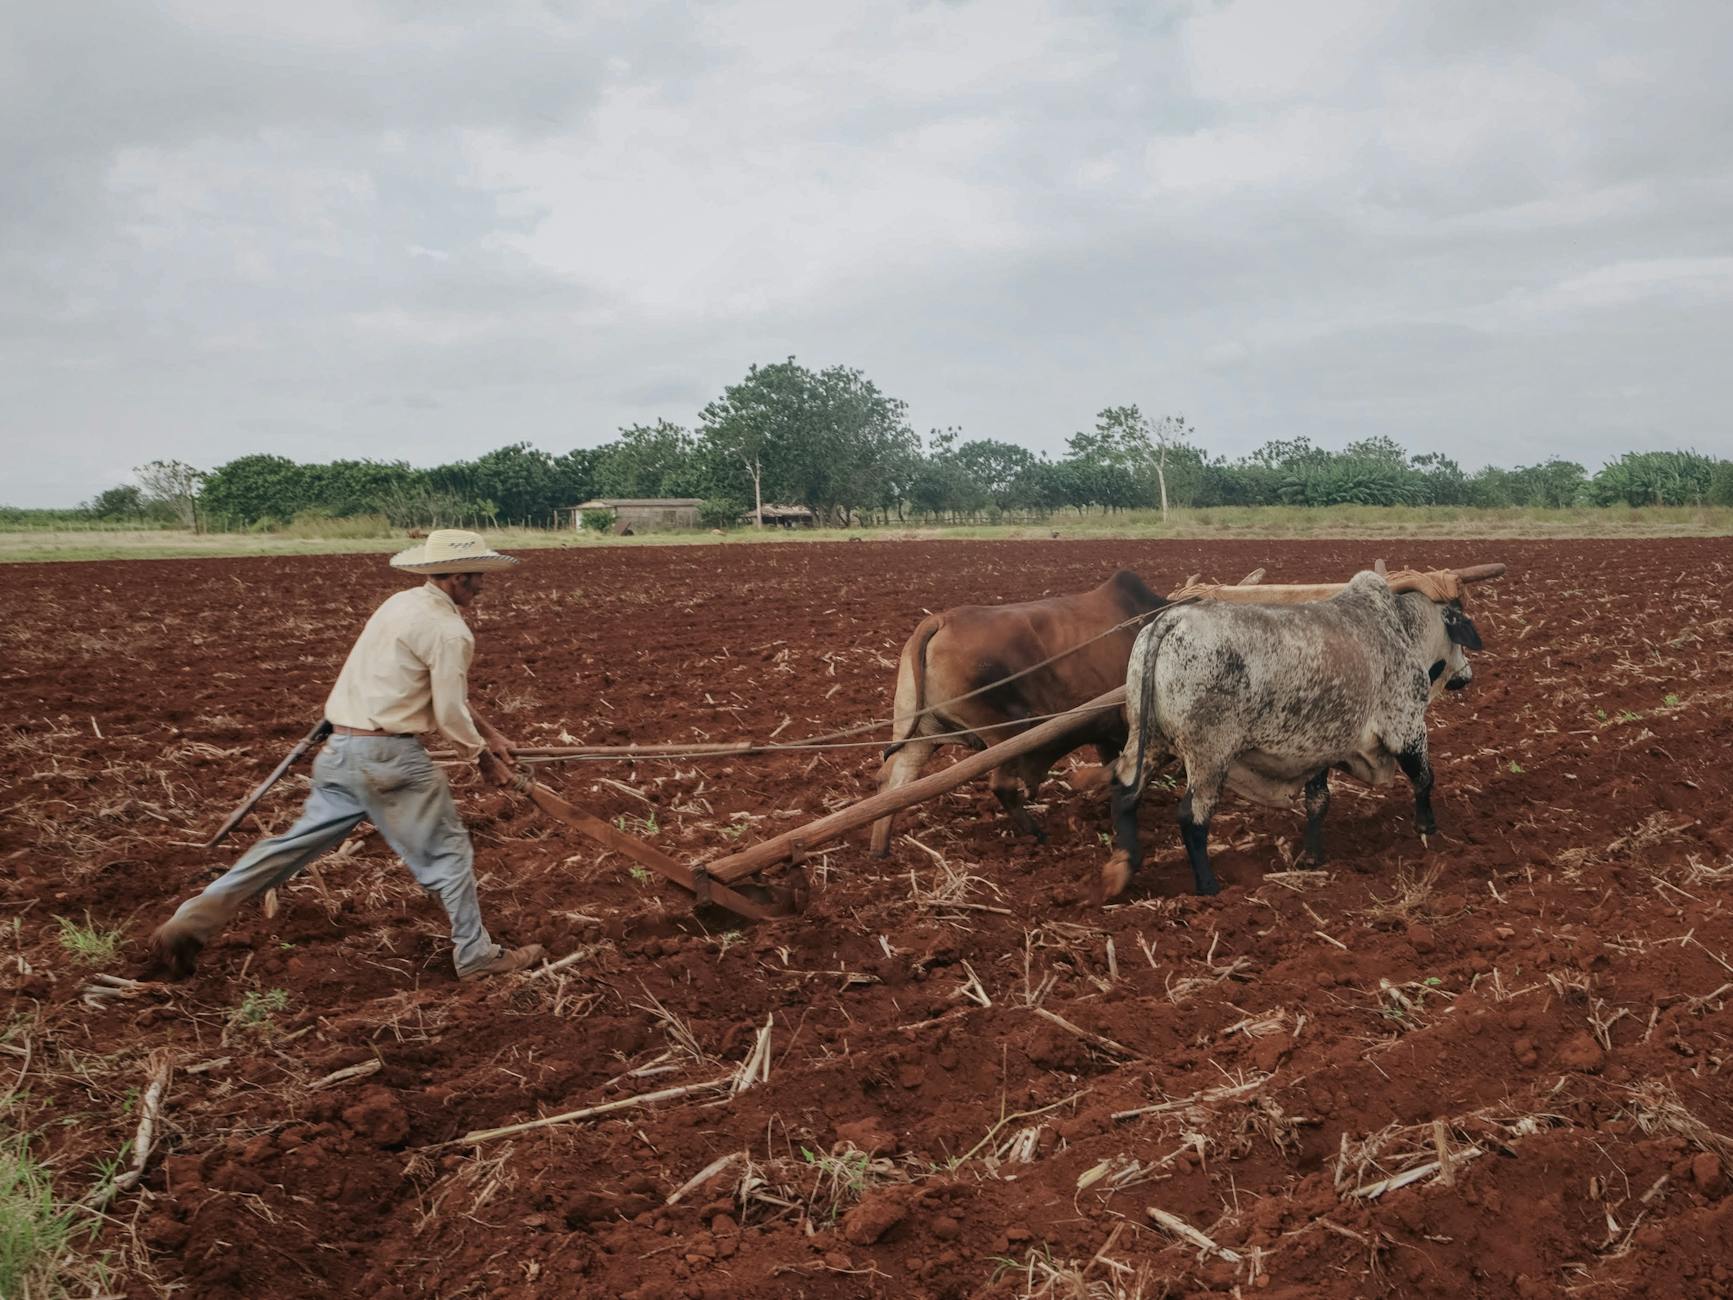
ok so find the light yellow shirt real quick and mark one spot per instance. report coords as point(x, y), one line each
point(409, 671)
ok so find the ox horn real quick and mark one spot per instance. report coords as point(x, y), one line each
point(1480, 572)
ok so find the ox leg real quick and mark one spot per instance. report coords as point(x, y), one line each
point(1008, 785)
point(1125, 801)
point(1127, 857)
point(1317, 804)
point(1417, 767)
point(1125, 782)
point(896, 771)
point(1195, 812)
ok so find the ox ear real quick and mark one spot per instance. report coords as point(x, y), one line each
point(1460, 628)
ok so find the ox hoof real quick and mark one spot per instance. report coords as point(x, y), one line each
point(1115, 875)
point(1085, 779)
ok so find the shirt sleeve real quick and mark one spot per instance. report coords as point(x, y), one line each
point(448, 675)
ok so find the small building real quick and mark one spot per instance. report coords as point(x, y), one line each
point(641, 514)
point(780, 516)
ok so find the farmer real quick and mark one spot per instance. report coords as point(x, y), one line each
point(406, 675)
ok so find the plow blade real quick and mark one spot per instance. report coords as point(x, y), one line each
point(755, 902)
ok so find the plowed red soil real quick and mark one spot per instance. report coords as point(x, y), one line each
point(956, 1034)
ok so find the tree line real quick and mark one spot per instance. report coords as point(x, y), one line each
point(832, 441)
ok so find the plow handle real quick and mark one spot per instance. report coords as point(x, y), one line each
point(233, 820)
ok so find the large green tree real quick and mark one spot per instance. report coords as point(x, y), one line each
point(524, 484)
point(354, 487)
point(756, 424)
point(828, 439)
point(865, 443)
point(250, 489)
point(1004, 471)
point(575, 475)
point(1127, 448)
point(648, 460)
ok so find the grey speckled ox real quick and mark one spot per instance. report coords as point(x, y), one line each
point(1267, 699)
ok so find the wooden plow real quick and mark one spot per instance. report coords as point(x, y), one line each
point(728, 882)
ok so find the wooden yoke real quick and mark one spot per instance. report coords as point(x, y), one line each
point(1439, 584)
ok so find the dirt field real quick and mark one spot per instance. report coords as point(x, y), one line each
point(1541, 994)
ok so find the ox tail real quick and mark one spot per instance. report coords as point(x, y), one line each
point(909, 706)
point(910, 712)
point(1148, 726)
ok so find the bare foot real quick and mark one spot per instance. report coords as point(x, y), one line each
point(175, 949)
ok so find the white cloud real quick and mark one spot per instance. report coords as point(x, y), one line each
point(1703, 279)
point(422, 229)
point(748, 192)
point(1251, 51)
point(1302, 147)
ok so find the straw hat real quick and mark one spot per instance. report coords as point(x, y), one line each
point(451, 550)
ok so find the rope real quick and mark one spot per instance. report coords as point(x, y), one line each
point(892, 721)
point(791, 747)
point(1437, 585)
point(839, 739)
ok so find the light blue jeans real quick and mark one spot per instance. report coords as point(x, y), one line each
point(391, 782)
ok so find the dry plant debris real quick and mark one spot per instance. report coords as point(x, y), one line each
point(1572, 919)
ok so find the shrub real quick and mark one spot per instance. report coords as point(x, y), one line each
point(90, 943)
point(720, 512)
point(1721, 484)
point(40, 1235)
point(124, 502)
point(1655, 478)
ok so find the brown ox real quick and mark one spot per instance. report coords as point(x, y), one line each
point(957, 652)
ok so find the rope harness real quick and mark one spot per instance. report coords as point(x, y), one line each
point(1440, 585)
point(839, 739)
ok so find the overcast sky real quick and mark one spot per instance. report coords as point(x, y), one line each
point(421, 230)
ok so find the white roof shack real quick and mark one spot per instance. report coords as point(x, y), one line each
point(800, 513)
point(615, 503)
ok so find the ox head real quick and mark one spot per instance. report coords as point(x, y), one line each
point(1449, 639)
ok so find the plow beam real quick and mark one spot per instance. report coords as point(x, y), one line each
point(700, 884)
point(803, 839)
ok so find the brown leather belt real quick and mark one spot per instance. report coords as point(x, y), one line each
point(339, 729)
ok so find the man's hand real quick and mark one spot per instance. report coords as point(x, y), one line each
point(495, 770)
point(496, 762)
